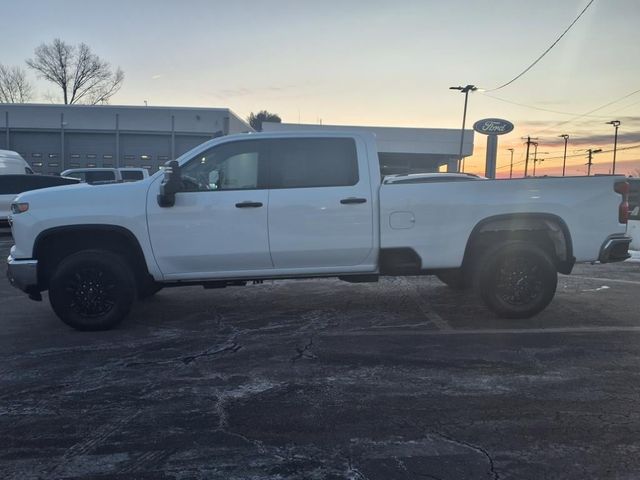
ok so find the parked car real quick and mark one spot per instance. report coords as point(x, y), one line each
point(634, 212)
point(307, 204)
point(12, 163)
point(106, 175)
point(14, 184)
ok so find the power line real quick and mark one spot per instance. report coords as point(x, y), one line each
point(545, 52)
point(587, 113)
point(542, 109)
point(572, 156)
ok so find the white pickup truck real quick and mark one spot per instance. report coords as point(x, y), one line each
point(297, 205)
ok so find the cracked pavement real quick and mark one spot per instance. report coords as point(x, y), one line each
point(320, 379)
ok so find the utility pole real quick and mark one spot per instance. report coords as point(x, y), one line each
point(465, 90)
point(616, 124)
point(590, 162)
point(564, 157)
point(511, 167)
point(526, 162)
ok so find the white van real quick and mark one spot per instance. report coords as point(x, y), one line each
point(12, 163)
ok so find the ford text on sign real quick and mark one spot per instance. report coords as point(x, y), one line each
point(493, 126)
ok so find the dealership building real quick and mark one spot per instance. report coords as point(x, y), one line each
point(53, 138)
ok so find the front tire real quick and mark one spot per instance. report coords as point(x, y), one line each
point(92, 290)
point(516, 279)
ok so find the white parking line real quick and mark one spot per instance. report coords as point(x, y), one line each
point(488, 331)
point(424, 306)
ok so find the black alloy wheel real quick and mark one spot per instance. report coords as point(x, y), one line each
point(92, 290)
point(516, 279)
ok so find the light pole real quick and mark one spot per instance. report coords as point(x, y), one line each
point(511, 166)
point(590, 162)
point(564, 157)
point(616, 124)
point(465, 90)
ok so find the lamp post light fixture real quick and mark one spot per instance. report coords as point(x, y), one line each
point(465, 90)
point(511, 165)
point(564, 157)
point(616, 124)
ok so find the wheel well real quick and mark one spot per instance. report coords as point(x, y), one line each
point(546, 231)
point(52, 246)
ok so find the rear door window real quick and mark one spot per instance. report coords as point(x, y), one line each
point(312, 162)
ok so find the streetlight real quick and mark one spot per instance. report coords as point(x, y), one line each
point(616, 124)
point(511, 167)
point(564, 158)
point(465, 90)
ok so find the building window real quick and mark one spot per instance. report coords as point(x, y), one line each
point(36, 164)
point(91, 165)
point(53, 155)
point(145, 157)
point(74, 165)
point(54, 164)
point(36, 155)
point(129, 157)
point(107, 156)
point(107, 165)
point(163, 158)
point(75, 155)
point(91, 156)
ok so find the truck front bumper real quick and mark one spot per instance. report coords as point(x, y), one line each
point(23, 274)
point(615, 249)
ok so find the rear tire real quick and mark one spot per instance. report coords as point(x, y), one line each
point(516, 279)
point(454, 278)
point(92, 290)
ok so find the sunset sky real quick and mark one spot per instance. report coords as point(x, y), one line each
point(371, 62)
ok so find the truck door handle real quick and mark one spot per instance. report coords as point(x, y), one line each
point(350, 200)
point(248, 204)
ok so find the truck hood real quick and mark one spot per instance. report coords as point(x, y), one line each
point(109, 204)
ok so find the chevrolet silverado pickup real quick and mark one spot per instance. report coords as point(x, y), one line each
point(264, 206)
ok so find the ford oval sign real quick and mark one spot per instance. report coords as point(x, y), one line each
point(493, 126)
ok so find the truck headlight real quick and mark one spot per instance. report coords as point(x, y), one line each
point(17, 208)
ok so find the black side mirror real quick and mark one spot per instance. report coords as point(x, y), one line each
point(170, 184)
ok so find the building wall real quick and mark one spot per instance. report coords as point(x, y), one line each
point(56, 137)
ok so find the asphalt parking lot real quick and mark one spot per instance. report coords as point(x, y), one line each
point(320, 379)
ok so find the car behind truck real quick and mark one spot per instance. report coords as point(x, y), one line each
point(298, 205)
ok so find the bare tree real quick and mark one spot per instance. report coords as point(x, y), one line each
point(82, 76)
point(14, 86)
point(256, 119)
